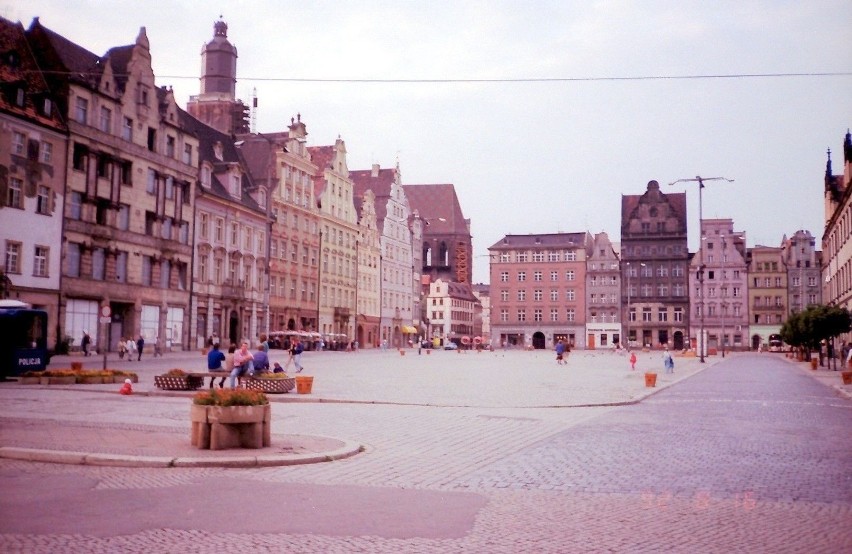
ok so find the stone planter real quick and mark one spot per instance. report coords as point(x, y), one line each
point(61, 380)
point(272, 386)
point(178, 382)
point(847, 377)
point(650, 379)
point(30, 380)
point(222, 427)
point(91, 380)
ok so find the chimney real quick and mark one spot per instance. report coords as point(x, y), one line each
point(375, 172)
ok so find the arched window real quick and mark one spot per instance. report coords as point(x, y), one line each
point(427, 255)
point(445, 254)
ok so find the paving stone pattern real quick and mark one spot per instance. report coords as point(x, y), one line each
point(749, 455)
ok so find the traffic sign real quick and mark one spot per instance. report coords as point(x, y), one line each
point(106, 312)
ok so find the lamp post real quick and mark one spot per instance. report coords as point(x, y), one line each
point(724, 307)
point(700, 180)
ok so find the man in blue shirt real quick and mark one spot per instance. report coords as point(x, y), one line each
point(214, 363)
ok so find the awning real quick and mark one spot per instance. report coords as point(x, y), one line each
point(409, 330)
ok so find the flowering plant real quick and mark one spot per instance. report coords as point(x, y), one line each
point(237, 397)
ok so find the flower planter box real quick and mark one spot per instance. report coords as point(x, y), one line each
point(272, 386)
point(62, 380)
point(91, 380)
point(30, 380)
point(304, 384)
point(177, 382)
point(222, 427)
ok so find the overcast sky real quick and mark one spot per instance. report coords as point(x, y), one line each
point(540, 155)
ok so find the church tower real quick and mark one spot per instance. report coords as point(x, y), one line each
point(217, 105)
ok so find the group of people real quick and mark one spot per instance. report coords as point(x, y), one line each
point(132, 347)
point(241, 361)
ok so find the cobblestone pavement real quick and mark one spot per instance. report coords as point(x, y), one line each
point(751, 454)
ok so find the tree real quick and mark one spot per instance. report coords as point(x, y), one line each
point(814, 325)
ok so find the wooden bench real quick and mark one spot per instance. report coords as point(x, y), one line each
point(212, 374)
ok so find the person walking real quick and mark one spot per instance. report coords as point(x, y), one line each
point(668, 361)
point(87, 340)
point(633, 360)
point(297, 356)
point(140, 344)
point(130, 345)
point(122, 348)
point(560, 350)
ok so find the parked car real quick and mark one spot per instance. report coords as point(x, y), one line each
point(450, 346)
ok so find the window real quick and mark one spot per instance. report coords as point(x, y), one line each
point(219, 230)
point(166, 228)
point(127, 129)
point(73, 258)
point(13, 257)
point(121, 267)
point(569, 275)
point(170, 187)
point(522, 295)
point(504, 295)
point(504, 314)
point(152, 139)
point(521, 257)
point(570, 314)
point(553, 256)
point(678, 315)
point(146, 270)
point(537, 276)
point(646, 314)
point(81, 110)
point(235, 233)
point(554, 295)
point(570, 295)
point(538, 256)
point(19, 142)
point(98, 264)
point(570, 256)
point(554, 314)
point(14, 196)
point(105, 120)
point(522, 314)
point(537, 314)
point(76, 207)
point(43, 200)
point(522, 276)
point(46, 152)
point(165, 274)
point(504, 276)
point(187, 154)
point(504, 256)
point(170, 146)
point(151, 185)
point(206, 176)
point(554, 275)
point(662, 315)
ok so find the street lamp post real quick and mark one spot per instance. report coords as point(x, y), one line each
point(700, 180)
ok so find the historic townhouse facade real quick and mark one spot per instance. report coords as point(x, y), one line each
point(453, 310)
point(393, 213)
point(33, 146)
point(338, 239)
point(538, 289)
point(482, 292)
point(655, 262)
point(295, 234)
point(720, 300)
point(229, 270)
point(837, 238)
point(603, 294)
point(129, 195)
point(368, 313)
point(767, 294)
point(804, 271)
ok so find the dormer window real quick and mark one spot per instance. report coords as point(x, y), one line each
point(19, 97)
point(48, 107)
point(218, 151)
point(235, 186)
point(206, 176)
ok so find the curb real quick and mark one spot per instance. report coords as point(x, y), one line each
point(348, 449)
